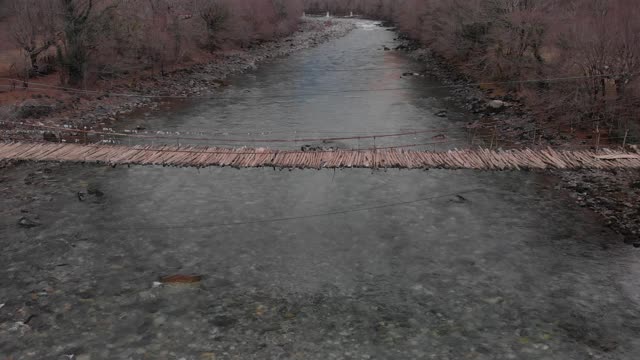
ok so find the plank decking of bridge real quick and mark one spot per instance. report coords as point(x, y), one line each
point(381, 158)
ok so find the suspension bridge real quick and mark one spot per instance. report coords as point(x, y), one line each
point(106, 147)
point(382, 158)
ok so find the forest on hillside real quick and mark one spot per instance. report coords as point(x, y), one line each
point(82, 37)
point(595, 41)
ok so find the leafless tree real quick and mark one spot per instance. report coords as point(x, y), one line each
point(84, 22)
point(215, 15)
point(34, 28)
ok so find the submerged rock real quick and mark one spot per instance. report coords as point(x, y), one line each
point(223, 321)
point(181, 279)
point(95, 192)
point(441, 113)
point(27, 223)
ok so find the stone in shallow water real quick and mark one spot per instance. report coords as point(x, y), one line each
point(181, 279)
point(208, 356)
point(27, 223)
point(223, 320)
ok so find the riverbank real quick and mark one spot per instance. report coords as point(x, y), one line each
point(500, 118)
point(100, 107)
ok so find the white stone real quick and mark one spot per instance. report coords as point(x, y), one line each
point(496, 104)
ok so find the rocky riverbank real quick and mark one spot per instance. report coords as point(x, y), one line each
point(99, 108)
point(615, 195)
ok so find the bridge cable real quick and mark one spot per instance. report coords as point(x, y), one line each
point(292, 218)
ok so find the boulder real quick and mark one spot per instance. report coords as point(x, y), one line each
point(496, 104)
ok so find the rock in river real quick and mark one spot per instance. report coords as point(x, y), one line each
point(27, 223)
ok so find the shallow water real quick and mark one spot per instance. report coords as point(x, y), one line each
point(350, 264)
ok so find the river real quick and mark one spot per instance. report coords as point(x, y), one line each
point(350, 264)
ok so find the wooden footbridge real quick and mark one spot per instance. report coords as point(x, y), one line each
point(192, 156)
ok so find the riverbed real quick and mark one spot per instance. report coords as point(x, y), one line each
point(350, 264)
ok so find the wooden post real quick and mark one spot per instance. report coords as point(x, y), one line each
point(571, 125)
point(493, 137)
point(624, 142)
point(84, 75)
point(375, 166)
point(597, 137)
point(495, 134)
point(534, 135)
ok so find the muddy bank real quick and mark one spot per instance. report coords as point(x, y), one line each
point(615, 195)
point(99, 109)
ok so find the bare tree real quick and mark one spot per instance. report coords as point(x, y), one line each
point(34, 28)
point(215, 15)
point(83, 23)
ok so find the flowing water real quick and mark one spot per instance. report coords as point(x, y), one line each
point(351, 264)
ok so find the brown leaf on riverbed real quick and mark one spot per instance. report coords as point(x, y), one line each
point(181, 279)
